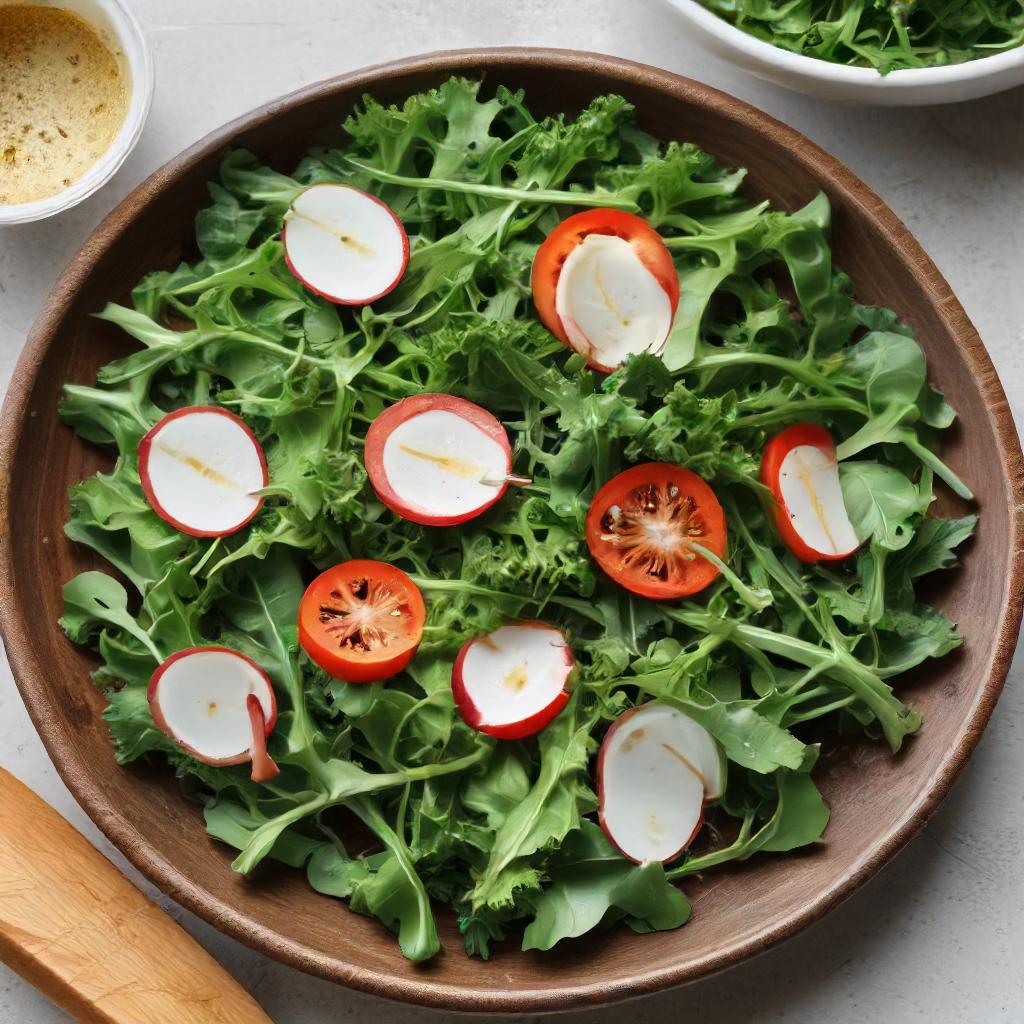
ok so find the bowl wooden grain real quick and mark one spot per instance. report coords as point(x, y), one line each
point(878, 801)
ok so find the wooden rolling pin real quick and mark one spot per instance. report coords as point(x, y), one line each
point(77, 929)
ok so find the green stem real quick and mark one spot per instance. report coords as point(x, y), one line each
point(795, 368)
point(794, 410)
point(425, 583)
point(581, 607)
point(605, 199)
point(709, 860)
point(775, 569)
point(151, 647)
point(120, 401)
point(420, 942)
point(281, 350)
point(801, 698)
point(817, 712)
point(263, 839)
point(200, 565)
point(880, 428)
point(396, 735)
point(432, 771)
point(756, 600)
point(930, 459)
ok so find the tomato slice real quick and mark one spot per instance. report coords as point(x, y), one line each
point(361, 621)
point(437, 460)
point(799, 467)
point(642, 523)
point(551, 258)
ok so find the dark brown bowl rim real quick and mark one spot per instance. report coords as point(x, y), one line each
point(30, 676)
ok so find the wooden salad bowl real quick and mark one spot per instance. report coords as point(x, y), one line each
point(878, 801)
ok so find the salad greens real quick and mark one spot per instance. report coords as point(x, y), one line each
point(883, 34)
point(386, 798)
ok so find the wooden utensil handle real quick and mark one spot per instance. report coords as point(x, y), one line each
point(77, 929)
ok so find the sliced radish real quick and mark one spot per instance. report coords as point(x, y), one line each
point(344, 244)
point(605, 283)
point(201, 469)
point(800, 468)
point(512, 682)
point(656, 770)
point(438, 460)
point(610, 303)
point(218, 705)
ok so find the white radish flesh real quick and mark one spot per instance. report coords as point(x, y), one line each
point(201, 469)
point(656, 769)
point(813, 498)
point(512, 682)
point(344, 244)
point(201, 698)
point(437, 462)
point(611, 306)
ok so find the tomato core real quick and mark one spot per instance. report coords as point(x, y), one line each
point(642, 527)
point(361, 621)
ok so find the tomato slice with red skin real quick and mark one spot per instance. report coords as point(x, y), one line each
point(801, 435)
point(389, 491)
point(254, 468)
point(642, 524)
point(555, 249)
point(361, 621)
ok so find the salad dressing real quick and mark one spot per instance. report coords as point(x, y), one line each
point(63, 99)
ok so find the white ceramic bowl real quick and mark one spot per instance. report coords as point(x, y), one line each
point(911, 87)
point(118, 28)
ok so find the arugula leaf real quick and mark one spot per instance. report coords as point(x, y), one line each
point(880, 501)
point(591, 884)
point(333, 873)
point(93, 600)
point(747, 737)
point(933, 545)
point(234, 824)
point(394, 892)
point(552, 808)
point(798, 819)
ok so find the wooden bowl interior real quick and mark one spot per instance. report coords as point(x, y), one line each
point(877, 800)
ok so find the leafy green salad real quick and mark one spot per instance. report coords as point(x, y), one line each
point(887, 35)
point(603, 442)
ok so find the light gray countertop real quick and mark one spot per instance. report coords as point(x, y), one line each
point(937, 936)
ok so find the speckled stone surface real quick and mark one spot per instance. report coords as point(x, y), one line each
point(937, 936)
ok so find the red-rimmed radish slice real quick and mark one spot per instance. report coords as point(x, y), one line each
point(604, 283)
point(799, 467)
point(344, 244)
point(437, 459)
point(201, 468)
point(656, 769)
point(218, 705)
point(512, 682)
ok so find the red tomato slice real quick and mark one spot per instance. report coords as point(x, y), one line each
point(361, 621)
point(555, 250)
point(427, 457)
point(642, 523)
point(808, 508)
